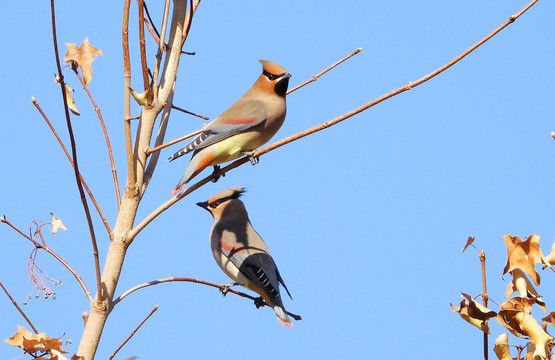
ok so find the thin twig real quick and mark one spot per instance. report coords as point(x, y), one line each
point(160, 147)
point(51, 252)
point(315, 77)
point(482, 256)
point(133, 333)
point(131, 171)
point(19, 309)
point(104, 221)
point(190, 113)
point(74, 151)
point(108, 146)
point(160, 49)
point(163, 207)
point(170, 279)
point(150, 20)
point(142, 45)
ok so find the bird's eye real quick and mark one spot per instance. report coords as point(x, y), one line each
point(215, 204)
point(270, 76)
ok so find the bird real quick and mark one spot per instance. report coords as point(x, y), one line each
point(240, 251)
point(246, 125)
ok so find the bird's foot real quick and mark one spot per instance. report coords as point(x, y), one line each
point(215, 172)
point(252, 159)
point(225, 288)
point(259, 302)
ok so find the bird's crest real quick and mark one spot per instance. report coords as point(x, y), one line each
point(272, 68)
point(232, 193)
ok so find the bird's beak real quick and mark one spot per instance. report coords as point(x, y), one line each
point(288, 75)
point(203, 205)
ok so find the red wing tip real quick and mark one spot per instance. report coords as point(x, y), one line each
point(176, 191)
point(288, 324)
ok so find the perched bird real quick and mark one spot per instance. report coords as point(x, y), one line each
point(241, 252)
point(248, 124)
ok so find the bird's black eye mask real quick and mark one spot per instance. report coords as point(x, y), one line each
point(271, 76)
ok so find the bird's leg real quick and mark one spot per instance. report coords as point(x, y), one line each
point(259, 302)
point(225, 288)
point(253, 160)
point(216, 170)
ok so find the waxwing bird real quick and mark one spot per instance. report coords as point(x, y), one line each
point(248, 124)
point(241, 252)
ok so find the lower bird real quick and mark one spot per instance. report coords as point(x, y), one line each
point(248, 124)
point(240, 251)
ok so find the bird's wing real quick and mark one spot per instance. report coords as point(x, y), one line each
point(242, 116)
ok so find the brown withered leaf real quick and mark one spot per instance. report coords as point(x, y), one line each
point(522, 255)
point(33, 343)
point(550, 259)
point(550, 318)
point(524, 287)
point(70, 103)
point(501, 348)
point(77, 357)
point(82, 56)
point(515, 316)
point(474, 313)
point(56, 224)
point(469, 241)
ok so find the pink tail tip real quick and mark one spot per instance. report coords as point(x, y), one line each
point(176, 191)
point(288, 324)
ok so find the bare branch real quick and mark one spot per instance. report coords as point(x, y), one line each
point(19, 309)
point(190, 113)
point(160, 49)
point(133, 332)
point(131, 171)
point(170, 279)
point(160, 147)
point(108, 146)
point(315, 77)
point(51, 252)
point(482, 256)
point(140, 6)
point(104, 221)
point(74, 150)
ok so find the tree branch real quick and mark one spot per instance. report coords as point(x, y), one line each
point(131, 171)
point(170, 279)
point(106, 138)
point(51, 252)
point(102, 217)
point(74, 150)
point(315, 77)
point(144, 66)
point(133, 332)
point(19, 309)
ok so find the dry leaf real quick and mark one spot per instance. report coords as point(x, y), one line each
point(523, 255)
point(474, 313)
point(83, 56)
point(469, 241)
point(32, 343)
point(550, 318)
point(76, 357)
point(501, 348)
point(550, 259)
point(524, 287)
point(70, 103)
point(56, 224)
point(515, 316)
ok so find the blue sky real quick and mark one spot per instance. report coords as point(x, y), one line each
point(365, 220)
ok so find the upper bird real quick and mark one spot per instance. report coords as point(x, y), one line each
point(248, 124)
point(241, 252)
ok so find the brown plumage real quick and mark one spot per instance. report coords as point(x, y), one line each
point(240, 251)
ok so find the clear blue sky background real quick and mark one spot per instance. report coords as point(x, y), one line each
point(365, 220)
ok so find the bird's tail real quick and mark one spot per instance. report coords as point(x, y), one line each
point(181, 152)
point(282, 316)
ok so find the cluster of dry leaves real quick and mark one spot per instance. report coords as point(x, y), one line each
point(39, 346)
point(515, 313)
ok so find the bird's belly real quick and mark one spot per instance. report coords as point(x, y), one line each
point(231, 270)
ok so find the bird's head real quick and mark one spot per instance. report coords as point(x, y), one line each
point(274, 78)
point(223, 200)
